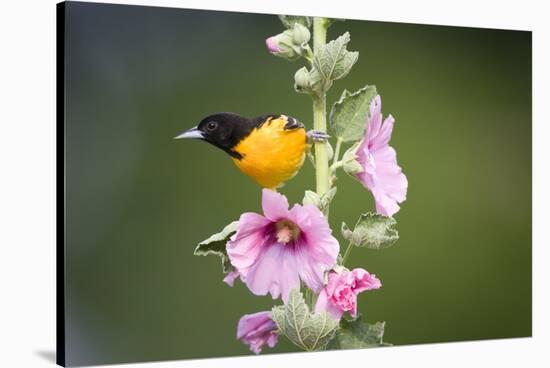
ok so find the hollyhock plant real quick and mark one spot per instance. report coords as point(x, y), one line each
point(291, 252)
point(257, 330)
point(340, 293)
point(274, 252)
point(381, 174)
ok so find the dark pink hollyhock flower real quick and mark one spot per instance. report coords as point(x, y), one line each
point(340, 293)
point(381, 174)
point(274, 252)
point(257, 330)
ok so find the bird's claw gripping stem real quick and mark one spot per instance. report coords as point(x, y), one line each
point(317, 136)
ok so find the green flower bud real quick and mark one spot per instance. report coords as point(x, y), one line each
point(301, 80)
point(300, 34)
point(291, 44)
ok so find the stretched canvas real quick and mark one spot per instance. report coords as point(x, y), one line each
point(240, 184)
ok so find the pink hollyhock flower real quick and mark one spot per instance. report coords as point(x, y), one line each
point(340, 293)
point(272, 46)
point(273, 252)
point(257, 330)
point(381, 174)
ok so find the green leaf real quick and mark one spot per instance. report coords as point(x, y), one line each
point(372, 231)
point(216, 245)
point(348, 115)
point(357, 334)
point(307, 330)
point(333, 61)
point(289, 20)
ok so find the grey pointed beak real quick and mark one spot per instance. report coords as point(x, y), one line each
point(193, 133)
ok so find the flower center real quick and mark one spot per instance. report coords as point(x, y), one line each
point(286, 231)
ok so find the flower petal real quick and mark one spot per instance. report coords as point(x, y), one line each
point(275, 272)
point(274, 205)
point(316, 250)
point(323, 304)
point(251, 324)
point(389, 185)
point(364, 281)
point(246, 245)
point(311, 271)
point(229, 279)
point(272, 46)
point(375, 118)
point(384, 135)
point(385, 205)
point(256, 330)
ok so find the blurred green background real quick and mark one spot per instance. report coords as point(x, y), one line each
point(138, 201)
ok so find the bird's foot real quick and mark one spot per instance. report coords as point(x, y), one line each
point(317, 136)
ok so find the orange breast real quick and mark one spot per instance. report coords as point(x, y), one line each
point(271, 154)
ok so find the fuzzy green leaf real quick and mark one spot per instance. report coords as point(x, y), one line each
point(357, 334)
point(307, 330)
point(216, 245)
point(349, 114)
point(333, 61)
point(289, 20)
point(372, 231)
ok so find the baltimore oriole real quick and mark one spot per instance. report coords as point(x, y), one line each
point(270, 148)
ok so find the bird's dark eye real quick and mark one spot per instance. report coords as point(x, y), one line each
point(211, 125)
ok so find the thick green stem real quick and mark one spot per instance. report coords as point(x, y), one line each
point(319, 114)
